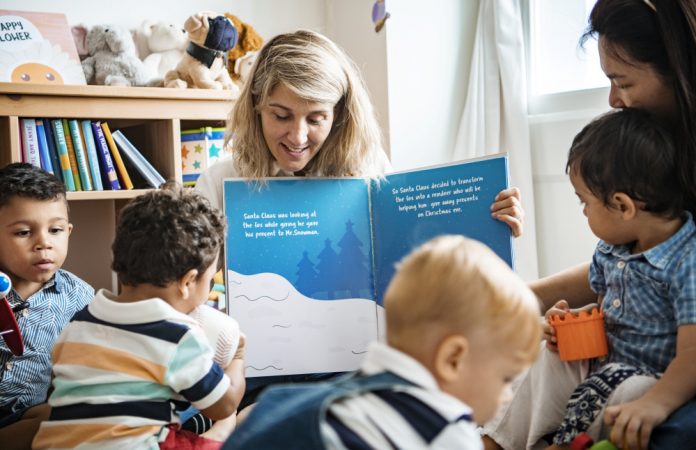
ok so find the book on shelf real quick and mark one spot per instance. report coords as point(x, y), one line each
point(62, 147)
point(38, 47)
point(44, 151)
point(200, 149)
point(126, 182)
point(30, 142)
point(80, 155)
point(108, 171)
point(141, 164)
point(71, 154)
point(91, 150)
point(308, 259)
point(53, 150)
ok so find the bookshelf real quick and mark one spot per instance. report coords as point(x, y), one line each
point(152, 118)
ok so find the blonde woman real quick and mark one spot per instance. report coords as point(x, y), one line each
point(305, 111)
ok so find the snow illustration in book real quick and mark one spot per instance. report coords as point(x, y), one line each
point(37, 48)
point(292, 331)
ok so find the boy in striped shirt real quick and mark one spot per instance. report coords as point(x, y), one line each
point(34, 233)
point(127, 361)
point(460, 326)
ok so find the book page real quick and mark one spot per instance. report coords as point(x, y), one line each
point(299, 273)
point(412, 207)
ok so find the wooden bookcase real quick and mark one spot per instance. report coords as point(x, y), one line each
point(152, 118)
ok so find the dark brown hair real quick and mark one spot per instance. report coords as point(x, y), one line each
point(164, 233)
point(28, 181)
point(665, 39)
point(629, 151)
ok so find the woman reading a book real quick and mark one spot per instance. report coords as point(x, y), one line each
point(305, 111)
point(305, 95)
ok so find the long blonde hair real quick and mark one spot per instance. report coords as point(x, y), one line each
point(317, 70)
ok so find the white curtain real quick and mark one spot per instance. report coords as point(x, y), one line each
point(495, 113)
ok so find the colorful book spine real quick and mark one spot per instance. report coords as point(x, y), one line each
point(92, 157)
point(136, 158)
point(30, 142)
point(53, 150)
point(107, 165)
point(116, 155)
point(62, 147)
point(71, 155)
point(80, 155)
point(46, 162)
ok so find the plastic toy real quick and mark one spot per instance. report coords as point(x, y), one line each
point(580, 336)
point(8, 324)
point(584, 442)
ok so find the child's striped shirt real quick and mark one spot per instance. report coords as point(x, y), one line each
point(120, 369)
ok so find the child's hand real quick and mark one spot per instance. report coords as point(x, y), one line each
point(239, 354)
point(508, 209)
point(559, 309)
point(633, 422)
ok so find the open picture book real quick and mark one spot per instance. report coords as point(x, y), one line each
point(308, 259)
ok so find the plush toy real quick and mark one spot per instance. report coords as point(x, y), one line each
point(248, 41)
point(112, 59)
point(243, 65)
point(161, 46)
point(204, 65)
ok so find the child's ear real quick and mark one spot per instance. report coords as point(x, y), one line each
point(185, 282)
point(450, 357)
point(625, 204)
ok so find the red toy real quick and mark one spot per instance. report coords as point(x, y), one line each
point(8, 324)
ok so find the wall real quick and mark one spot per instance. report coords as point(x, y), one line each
point(429, 48)
point(269, 17)
point(563, 237)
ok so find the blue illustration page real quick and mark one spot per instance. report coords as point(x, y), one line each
point(415, 206)
point(299, 273)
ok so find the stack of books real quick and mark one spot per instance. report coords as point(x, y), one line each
point(85, 154)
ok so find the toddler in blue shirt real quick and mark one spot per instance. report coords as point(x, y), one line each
point(34, 232)
point(623, 167)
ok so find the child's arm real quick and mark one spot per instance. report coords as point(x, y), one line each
point(228, 403)
point(635, 420)
point(571, 284)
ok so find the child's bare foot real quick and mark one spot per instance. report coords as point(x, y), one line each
point(221, 429)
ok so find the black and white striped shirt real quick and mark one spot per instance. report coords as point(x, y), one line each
point(24, 380)
point(419, 416)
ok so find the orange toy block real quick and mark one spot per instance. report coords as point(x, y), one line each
point(580, 336)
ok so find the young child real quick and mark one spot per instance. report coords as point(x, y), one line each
point(34, 232)
point(460, 326)
point(127, 361)
point(623, 168)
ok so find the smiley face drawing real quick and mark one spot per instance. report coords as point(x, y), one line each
point(40, 63)
point(32, 72)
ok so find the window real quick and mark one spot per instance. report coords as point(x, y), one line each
point(556, 62)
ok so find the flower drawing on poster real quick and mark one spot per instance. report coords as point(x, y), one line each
point(37, 48)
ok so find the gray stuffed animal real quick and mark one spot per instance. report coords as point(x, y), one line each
point(113, 60)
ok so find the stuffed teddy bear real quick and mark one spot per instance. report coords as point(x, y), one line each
point(162, 45)
point(248, 41)
point(112, 59)
point(243, 65)
point(204, 65)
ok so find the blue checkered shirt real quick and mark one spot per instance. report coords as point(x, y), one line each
point(647, 296)
point(24, 380)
